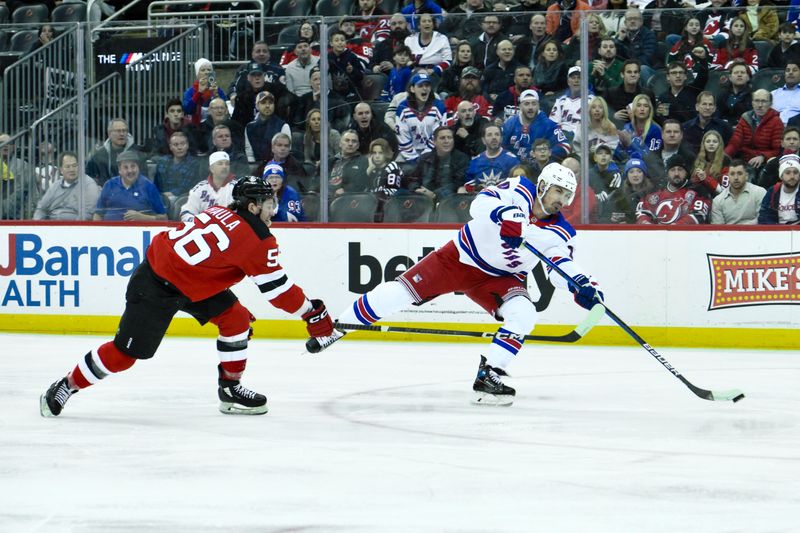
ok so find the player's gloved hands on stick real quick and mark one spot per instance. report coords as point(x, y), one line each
point(587, 294)
point(511, 227)
point(318, 321)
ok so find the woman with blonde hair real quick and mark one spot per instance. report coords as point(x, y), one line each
point(601, 129)
point(312, 148)
point(597, 32)
point(641, 137)
point(710, 169)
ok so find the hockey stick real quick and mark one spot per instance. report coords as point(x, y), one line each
point(594, 316)
point(720, 396)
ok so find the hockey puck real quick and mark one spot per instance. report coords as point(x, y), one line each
point(740, 397)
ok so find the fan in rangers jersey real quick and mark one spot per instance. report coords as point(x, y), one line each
point(191, 268)
point(487, 262)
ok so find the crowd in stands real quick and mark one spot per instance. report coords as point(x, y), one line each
point(444, 99)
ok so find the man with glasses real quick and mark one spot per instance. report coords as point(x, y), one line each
point(484, 46)
point(637, 41)
point(679, 100)
point(102, 165)
point(757, 136)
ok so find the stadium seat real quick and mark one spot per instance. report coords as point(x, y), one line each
point(408, 208)
point(175, 210)
point(372, 86)
point(767, 78)
point(4, 38)
point(763, 48)
point(288, 35)
point(454, 209)
point(291, 8)
point(658, 83)
point(74, 12)
point(35, 14)
point(311, 203)
point(716, 79)
point(334, 8)
point(354, 207)
point(4, 14)
point(23, 41)
point(389, 6)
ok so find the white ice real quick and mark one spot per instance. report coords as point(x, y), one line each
point(375, 437)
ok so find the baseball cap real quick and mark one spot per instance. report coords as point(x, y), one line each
point(529, 94)
point(470, 71)
point(216, 157)
point(255, 68)
point(420, 78)
point(574, 70)
point(264, 95)
point(128, 155)
point(602, 146)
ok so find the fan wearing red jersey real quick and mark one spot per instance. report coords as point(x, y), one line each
point(191, 268)
point(678, 203)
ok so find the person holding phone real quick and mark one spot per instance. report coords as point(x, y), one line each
point(204, 89)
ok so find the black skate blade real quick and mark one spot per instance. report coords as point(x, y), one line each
point(228, 408)
point(492, 400)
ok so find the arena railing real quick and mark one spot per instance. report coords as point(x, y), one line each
point(231, 32)
point(39, 80)
point(159, 75)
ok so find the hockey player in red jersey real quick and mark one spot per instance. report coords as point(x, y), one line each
point(191, 268)
point(677, 203)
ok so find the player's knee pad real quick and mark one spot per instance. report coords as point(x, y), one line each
point(112, 358)
point(234, 321)
point(519, 315)
point(384, 300)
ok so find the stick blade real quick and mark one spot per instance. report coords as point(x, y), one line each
point(732, 395)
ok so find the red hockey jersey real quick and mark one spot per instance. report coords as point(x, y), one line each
point(217, 250)
point(684, 206)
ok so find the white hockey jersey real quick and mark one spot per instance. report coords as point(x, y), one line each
point(204, 195)
point(566, 112)
point(479, 243)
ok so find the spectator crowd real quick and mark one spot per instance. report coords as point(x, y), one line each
point(440, 100)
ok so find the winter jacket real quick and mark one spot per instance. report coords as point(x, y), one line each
point(749, 141)
point(102, 165)
point(62, 202)
point(768, 214)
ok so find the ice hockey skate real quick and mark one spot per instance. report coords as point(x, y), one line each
point(235, 399)
point(317, 344)
point(489, 388)
point(52, 402)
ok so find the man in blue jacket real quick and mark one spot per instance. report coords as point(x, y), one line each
point(530, 124)
point(781, 205)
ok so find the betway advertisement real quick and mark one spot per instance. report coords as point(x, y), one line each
point(696, 279)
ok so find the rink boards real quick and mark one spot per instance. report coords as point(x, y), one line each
point(706, 287)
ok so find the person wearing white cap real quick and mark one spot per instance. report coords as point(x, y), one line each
point(529, 124)
point(566, 110)
point(204, 89)
point(781, 204)
point(214, 190)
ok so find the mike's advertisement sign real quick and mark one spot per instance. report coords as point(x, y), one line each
point(747, 280)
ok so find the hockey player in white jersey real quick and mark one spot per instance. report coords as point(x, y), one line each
point(487, 262)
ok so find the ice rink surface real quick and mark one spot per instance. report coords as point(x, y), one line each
point(380, 437)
